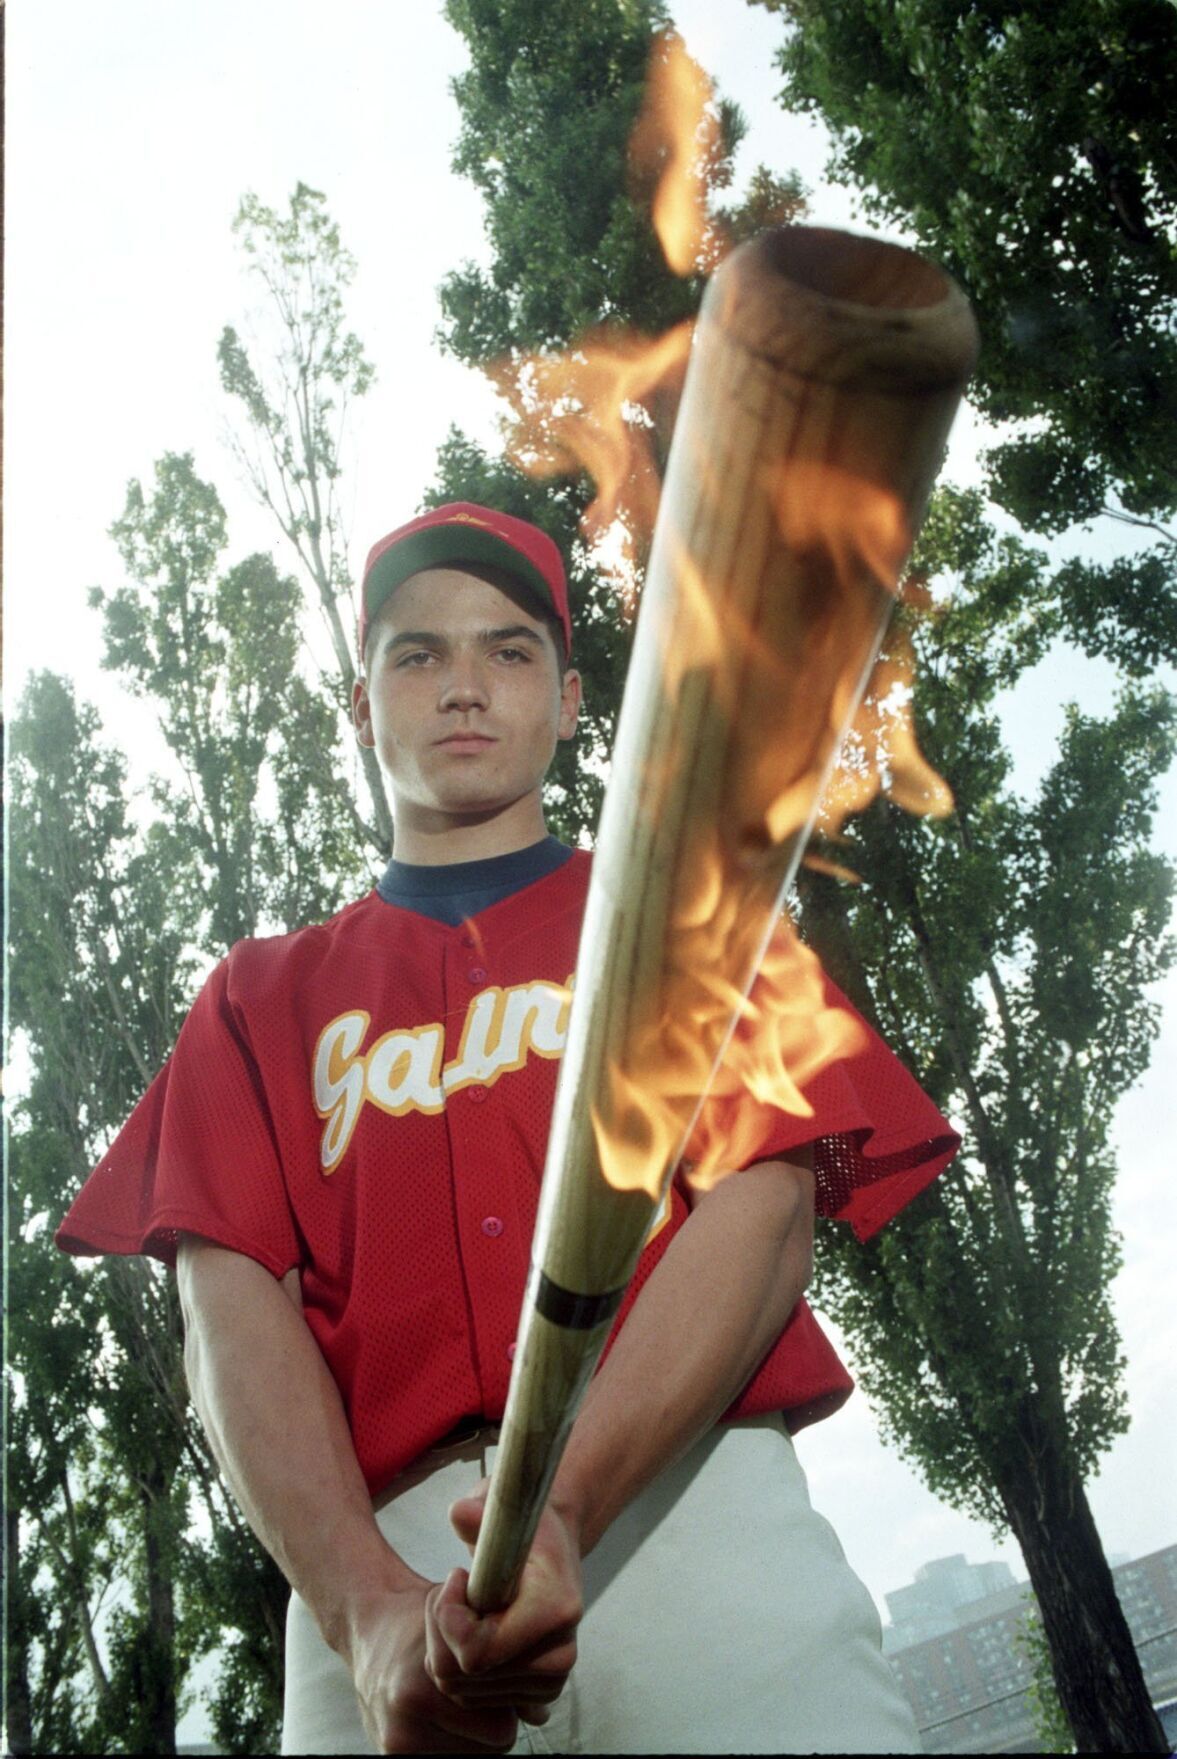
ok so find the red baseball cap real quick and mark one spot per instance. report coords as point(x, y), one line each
point(459, 532)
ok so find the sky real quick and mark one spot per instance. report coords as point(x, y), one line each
point(133, 130)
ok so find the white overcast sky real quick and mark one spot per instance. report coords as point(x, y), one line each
point(133, 129)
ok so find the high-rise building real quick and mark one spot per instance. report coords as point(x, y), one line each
point(941, 1591)
point(954, 1642)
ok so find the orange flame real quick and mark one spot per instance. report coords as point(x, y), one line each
point(856, 524)
point(599, 407)
point(748, 1047)
point(591, 410)
point(785, 1032)
point(679, 128)
point(845, 538)
point(852, 527)
point(881, 754)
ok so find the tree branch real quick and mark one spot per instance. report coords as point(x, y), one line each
point(1142, 524)
point(72, 1570)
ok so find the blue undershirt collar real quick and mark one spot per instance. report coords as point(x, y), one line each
point(461, 889)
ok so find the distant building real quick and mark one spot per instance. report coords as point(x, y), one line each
point(941, 1593)
point(953, 1642)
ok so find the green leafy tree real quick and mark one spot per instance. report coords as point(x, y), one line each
point(1030, 149)
point(263, 804)
point(52, 1534)
point(255, 827)
point(570, 251)
point(128, 1558)
point(93, 993)
point(548, 108)
point(1007, 953)
point(113, 926)
point(294, 390)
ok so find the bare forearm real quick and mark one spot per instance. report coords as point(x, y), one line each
point(712, 1308)
point(276, 1423)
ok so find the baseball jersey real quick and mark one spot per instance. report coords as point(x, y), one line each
point(368, 1101)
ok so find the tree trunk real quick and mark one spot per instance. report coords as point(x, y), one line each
point(825, 927)
point(159, 1709)
point(19, 1708)
point(1097, 1671)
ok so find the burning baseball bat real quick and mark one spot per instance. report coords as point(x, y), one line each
point(825, 373)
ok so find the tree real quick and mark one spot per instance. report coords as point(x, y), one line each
point(114, 925)
point(219, 654)
point(1006, 953)
point(92, 999)
point(117, 912)
point(1031, 152)
point(295, 400)
point(1030, 149)
point(994, 951)
point(570, 252)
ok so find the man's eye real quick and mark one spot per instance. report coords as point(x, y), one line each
point(513, 653)
point(416, 658)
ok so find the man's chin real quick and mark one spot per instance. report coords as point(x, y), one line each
point(473, 807)
point(456, 800)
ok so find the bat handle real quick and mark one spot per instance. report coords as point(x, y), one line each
point(553, 1366)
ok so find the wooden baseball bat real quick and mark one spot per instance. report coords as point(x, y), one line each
point(825, 373)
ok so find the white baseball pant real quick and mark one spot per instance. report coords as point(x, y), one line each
point(722, 1616)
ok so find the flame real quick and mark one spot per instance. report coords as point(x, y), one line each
point(599, 407)
point(591, 410)
point(786, 1030)
point(851, 528)
point(752, 1051)
point(856, 524)
point(881, 754)
point(728, 1030)
point(679, 128)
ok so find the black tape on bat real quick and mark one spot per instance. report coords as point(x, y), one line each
point(574, 1312)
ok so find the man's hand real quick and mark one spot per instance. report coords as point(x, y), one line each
point(402, 1708)
point(433, 1677)
point(521, 1657)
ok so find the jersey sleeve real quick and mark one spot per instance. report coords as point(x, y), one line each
point(197, 1155)
point(877, 1138)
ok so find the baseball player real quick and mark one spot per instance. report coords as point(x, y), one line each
point(342, 1158)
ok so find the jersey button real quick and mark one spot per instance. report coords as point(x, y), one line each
point(511, 1351)
point(477, 1094)
point(467, 940)
point(477, 974)
point(492, 1225)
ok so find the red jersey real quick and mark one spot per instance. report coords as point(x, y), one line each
point(368, 1100)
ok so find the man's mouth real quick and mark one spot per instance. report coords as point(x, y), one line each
point(466, 742)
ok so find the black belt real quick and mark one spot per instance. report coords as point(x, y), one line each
point(463, 1429)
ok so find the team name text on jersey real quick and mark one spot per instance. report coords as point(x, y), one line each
point(404, 1070)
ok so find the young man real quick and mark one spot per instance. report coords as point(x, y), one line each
point(343, 1160)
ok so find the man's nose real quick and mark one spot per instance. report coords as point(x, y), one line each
point(463, 686)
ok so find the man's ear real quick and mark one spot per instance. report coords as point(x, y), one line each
point(361, 714)
point(570, 695)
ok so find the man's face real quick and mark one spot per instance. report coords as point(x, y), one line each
point(464, 698)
